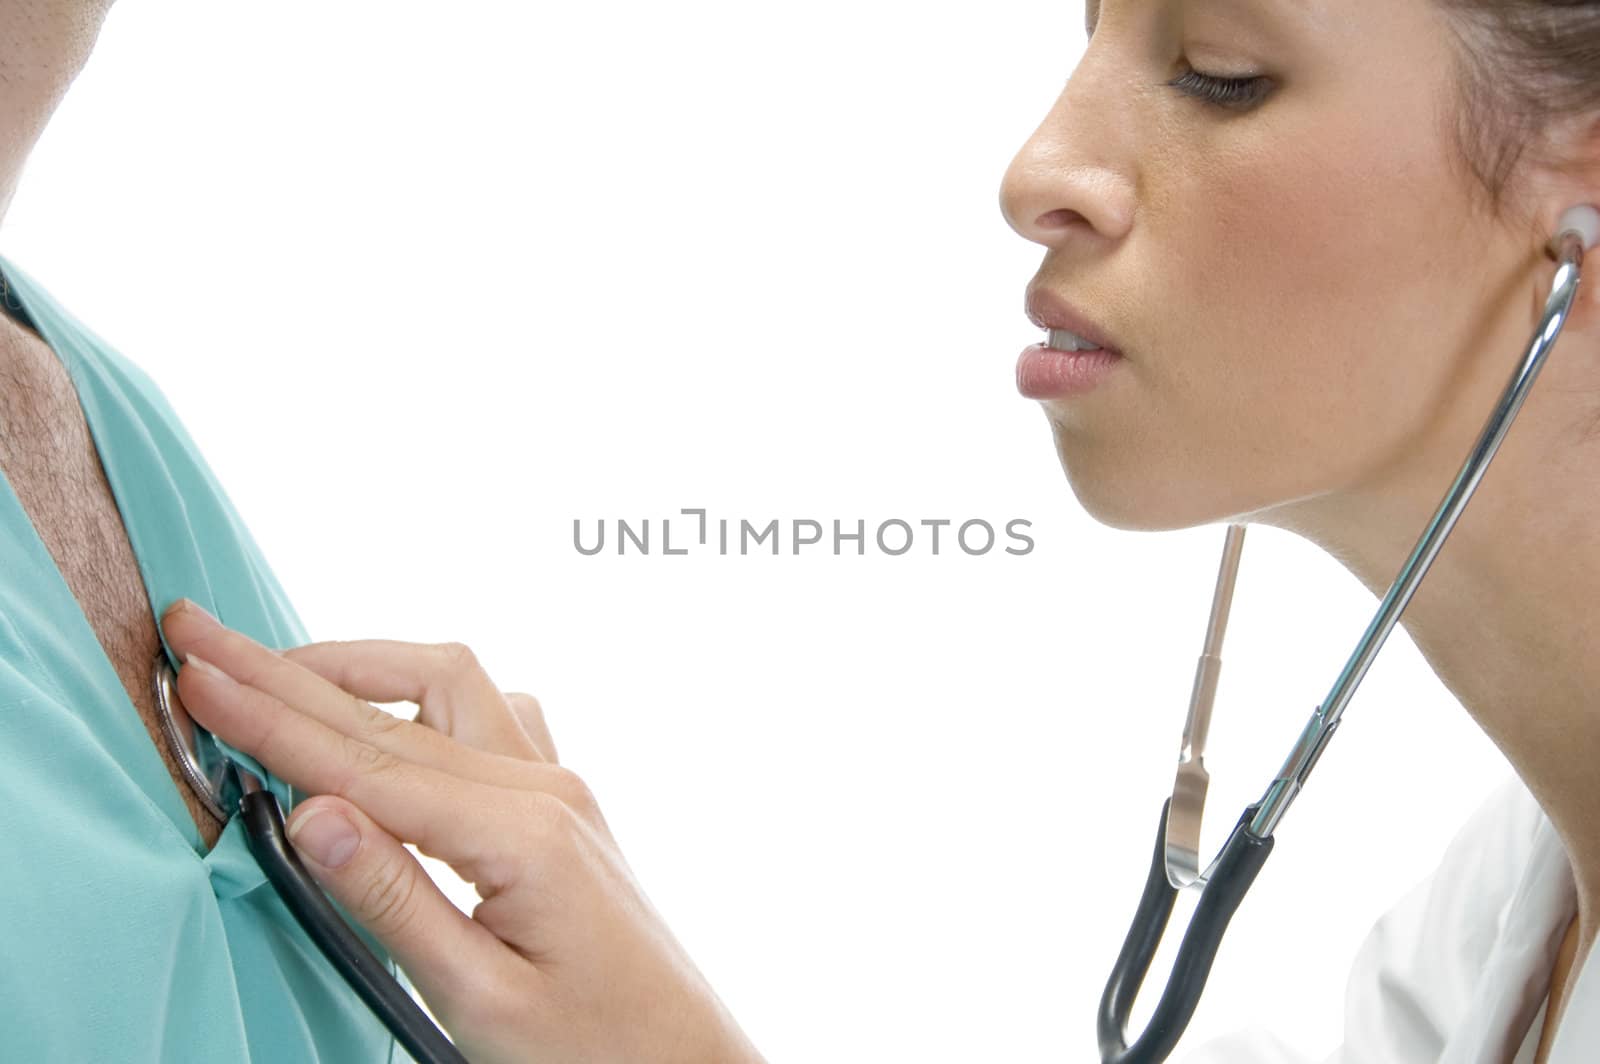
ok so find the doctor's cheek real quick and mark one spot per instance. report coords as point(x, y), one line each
point(564, 957)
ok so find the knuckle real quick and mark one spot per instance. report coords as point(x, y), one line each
point(458, 657)
point(271, 738)
point(550, 822)
point(377, 723)
point(362, 759)
point(571, 790)
point(389, 899)
point(525, 702)
point(494, 875)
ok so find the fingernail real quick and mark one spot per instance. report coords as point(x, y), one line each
point(190, 606)
point(325, 837)
point(206, 667)
point(201, 612)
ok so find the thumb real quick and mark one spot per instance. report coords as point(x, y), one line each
point(377, 880)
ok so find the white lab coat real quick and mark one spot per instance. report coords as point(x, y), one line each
point(1459, 971)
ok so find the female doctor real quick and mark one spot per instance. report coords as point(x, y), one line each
point(1311, 237)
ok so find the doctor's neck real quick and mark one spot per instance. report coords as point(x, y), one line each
point(1508, 615)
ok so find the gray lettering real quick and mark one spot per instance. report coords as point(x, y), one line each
point(1018, 535)
point(798, 542)
point(702, 514)
point(624, 531)
point(666, 538)
point(860, 536)
point(745, 528)
point(884, 546)
point(961, 535)
point(577, 541)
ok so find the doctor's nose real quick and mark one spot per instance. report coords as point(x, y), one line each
point(1054, 192)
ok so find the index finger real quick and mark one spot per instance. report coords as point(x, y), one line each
point(413, 802)
point(291, 684)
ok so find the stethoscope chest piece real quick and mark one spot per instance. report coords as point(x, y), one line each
point(200, 760)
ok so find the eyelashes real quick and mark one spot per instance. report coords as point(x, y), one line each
point(1234, 93)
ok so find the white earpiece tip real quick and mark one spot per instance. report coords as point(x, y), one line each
point(1583, 219)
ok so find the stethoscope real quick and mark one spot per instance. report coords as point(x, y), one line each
point(224, 787)
point(1223, 884)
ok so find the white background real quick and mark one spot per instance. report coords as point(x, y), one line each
point(428, 283)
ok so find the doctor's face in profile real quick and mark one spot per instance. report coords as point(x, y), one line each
point(1264, 209)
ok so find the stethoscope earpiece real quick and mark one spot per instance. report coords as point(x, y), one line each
point(1582, 219)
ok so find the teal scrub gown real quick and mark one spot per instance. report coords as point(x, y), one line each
point(123, 939)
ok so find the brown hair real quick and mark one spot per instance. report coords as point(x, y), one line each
point(1524, 67)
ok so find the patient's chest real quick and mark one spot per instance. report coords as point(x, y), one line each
point(49, 458)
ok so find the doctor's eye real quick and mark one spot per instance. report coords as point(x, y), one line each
point(1237, 93)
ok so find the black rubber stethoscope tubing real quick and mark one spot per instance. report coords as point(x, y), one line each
point(1236, 868)
point(389, 1001)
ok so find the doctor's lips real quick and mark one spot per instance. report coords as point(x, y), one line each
point(1075, 355)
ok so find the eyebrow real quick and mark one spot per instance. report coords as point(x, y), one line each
point(1091, 13)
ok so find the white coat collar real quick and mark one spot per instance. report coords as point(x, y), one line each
point(1515, 981)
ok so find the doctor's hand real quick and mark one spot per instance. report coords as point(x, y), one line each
point(564, 959)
